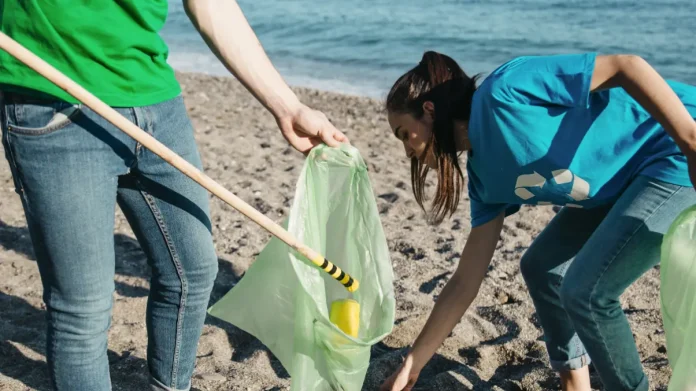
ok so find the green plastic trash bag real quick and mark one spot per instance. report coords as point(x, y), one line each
point(678, 299)
point(284, 300)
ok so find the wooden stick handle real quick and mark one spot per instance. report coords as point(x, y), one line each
point(49, 72)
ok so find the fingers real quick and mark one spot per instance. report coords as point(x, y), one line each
point(309, 128)
point(332, 136)
point(328, 132)
point(397, 382)
point(399, 385)
point(301, 144)
point(313, 142)
point(341, 138)
point(328, 137)
point(389, 383)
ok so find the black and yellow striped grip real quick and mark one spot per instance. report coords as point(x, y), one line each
point(336, 272)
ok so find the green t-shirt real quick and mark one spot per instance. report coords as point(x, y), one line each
point(112, 48)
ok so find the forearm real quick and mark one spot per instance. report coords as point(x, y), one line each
point(225, 29)
point(647, 87)
point(459, 292)
point(454, 300)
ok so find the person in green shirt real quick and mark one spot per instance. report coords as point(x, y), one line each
point(71, 168)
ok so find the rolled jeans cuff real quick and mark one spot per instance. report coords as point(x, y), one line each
point(573, 363)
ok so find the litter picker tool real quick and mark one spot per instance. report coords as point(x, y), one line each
point(343, 312)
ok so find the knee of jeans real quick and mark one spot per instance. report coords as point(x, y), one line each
point(80, 318)
point(584, 301)
point(575, 298)
point(202, 278)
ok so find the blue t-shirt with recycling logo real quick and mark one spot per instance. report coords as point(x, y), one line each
point(539, 136)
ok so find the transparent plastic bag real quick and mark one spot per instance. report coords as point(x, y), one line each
point(284, 300)
point(678, 299)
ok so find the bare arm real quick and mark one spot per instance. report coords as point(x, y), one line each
point(455, 298)
point(227, 33)
point(648, 88)
point(225, 29)
point(459, 292)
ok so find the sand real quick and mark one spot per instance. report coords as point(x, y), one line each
point(496, 346)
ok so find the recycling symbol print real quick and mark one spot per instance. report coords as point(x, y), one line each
point(563, 184)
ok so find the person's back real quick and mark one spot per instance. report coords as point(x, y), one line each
point(111, 48)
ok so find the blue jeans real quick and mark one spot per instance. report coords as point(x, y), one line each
point(70, 168)
point(579, 266)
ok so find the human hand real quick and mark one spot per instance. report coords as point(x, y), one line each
point(306, 128)
point(403, 379)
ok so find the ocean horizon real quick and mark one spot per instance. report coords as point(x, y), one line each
point(361, 47)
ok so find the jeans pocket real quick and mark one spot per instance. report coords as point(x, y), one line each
point(36, 119)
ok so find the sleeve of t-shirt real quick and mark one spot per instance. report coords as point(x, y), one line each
point(482, 212)
point(557, 79)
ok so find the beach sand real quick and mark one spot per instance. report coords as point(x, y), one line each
point(496, 346)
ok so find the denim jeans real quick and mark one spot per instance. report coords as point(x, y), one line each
point(579, 266)
point(70, 168)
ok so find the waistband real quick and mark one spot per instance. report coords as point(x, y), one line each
point(33, 97)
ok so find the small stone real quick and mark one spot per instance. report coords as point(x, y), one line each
point(389, 197)
point(502, 297)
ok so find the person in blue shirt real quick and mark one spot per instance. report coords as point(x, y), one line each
point(604, 136)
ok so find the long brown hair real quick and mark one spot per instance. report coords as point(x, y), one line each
point(440, 80)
